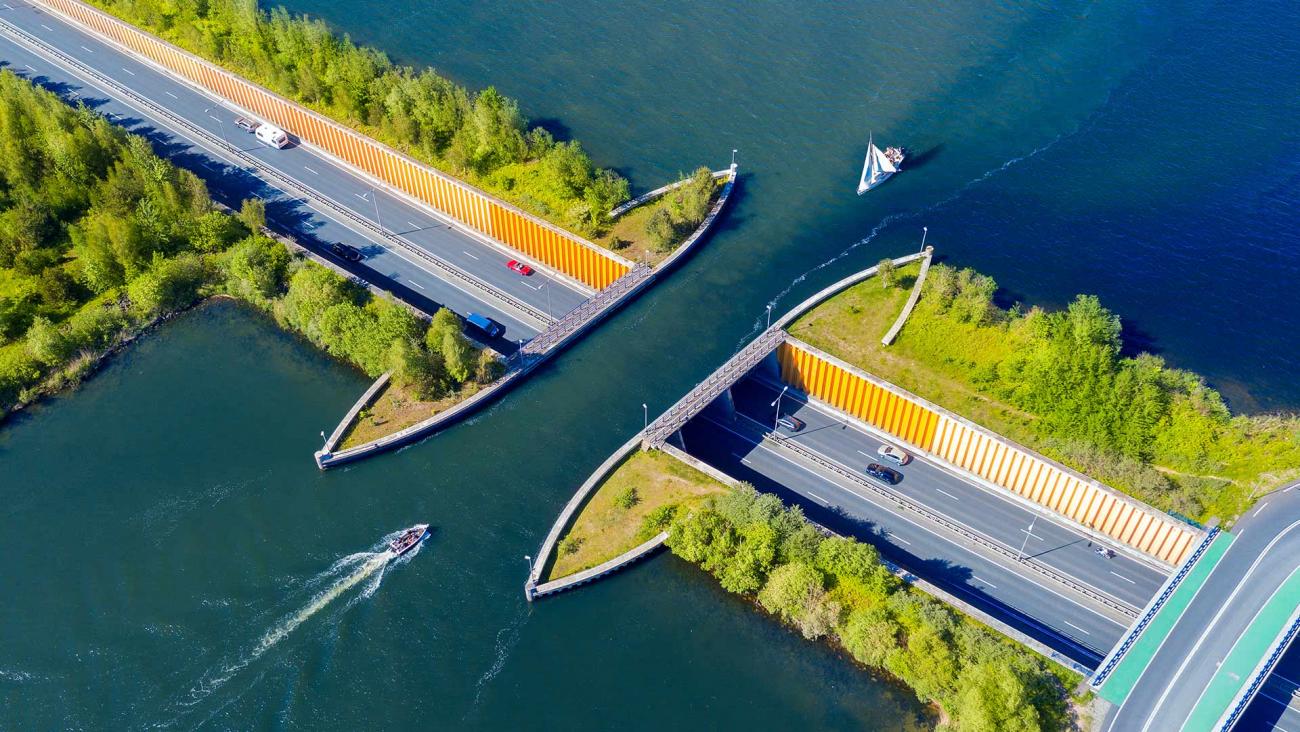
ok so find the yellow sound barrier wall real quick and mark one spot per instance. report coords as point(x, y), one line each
point(528, 234)
point(987, 455)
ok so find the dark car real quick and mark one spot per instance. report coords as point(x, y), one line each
point(343, 251)
point(485, 324)
point(883, 474)
point(791, 422)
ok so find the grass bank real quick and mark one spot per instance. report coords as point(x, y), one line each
point(634, 503)
point(633, 235)
point(397, 408)
point(1060, 383)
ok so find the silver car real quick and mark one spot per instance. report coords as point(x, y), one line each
point(893, 455)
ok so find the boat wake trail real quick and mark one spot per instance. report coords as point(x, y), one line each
point(507, 638)
point(890, 220)
point(362, 569)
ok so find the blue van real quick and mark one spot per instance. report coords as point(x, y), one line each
point(485, 324)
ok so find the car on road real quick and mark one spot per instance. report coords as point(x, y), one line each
point(519, 267)
point(485, 324)
point(883, 474)
point(343, 251)
point(246, 124)
point(893, 455)
point(791, 422)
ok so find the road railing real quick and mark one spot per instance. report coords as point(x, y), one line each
point(966, 534)
point(457, 276)
point(1111, 661)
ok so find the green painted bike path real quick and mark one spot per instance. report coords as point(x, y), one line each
point(1116, 688)
point(1254, 645)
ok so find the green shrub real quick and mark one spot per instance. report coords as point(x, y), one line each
point(627, 498)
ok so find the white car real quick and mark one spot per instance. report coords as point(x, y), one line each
point(893, 455)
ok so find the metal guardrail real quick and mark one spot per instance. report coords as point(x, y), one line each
point(955, 528)
point(1247, 695)
point(590, 308)
point(1115, 656)
point(706, 391)
point(283, 180)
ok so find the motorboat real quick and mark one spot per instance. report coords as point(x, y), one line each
point(879, 165)
point(409, 539)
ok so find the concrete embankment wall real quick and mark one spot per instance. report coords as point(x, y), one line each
point(489, 217)
point(988, 456)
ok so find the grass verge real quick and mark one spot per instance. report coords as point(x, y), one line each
point(613, 519)
point(396, 409)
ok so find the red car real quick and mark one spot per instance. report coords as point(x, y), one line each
point(519, 267)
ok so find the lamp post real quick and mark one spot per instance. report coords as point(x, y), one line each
point(1021, 555)
point(925, 231)
point(776, 419)
point(375, 200)
point(769, 316)
point(645, 413)
point(733, 157)
point(530, 563)
point(221, 127)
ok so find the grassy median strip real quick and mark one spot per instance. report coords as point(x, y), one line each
point(1130, 668)
point(615, 517)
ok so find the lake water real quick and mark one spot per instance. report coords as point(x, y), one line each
point(171, 557)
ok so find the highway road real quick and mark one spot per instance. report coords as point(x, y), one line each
point(315, 226)
point(1060, 618)
point(1264, 554)
point(986, 511)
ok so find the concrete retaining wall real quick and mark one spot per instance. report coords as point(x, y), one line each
point(652, 195)
point(570, 511)
point(326, 459)
point(365, 401)
point(489, 217)
point(990, 458)
point(911, 299)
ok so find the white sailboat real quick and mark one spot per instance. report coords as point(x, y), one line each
point(878, 166)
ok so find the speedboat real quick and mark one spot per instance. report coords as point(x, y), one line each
point(408, 539)
point(878, 166)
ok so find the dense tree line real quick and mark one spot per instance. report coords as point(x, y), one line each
point(1157, 432)
point(838, 588)
point(99, 237)
point(480, 136)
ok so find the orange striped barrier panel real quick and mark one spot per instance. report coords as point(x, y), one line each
point(506, 224)
point(983, 453)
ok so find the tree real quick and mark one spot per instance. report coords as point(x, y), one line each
point(885, 271)
point(659, 228)
point(444, 336)
point(252, 212)
point(47, 343)
point(993, 697)
point(789, 589)
point(423, 374)
point(258, 267)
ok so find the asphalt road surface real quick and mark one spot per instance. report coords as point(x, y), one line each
point(1264, 554)
point(989, 512)
point(414, 280)
point(1064, 620)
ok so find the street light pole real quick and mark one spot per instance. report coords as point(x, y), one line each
point(530, 563)
point(925, 231)
point(769, 316)
point(221, 127)
point(1021, 554)
point(733, 157)
point(375, 200)
point(645, 413)
point(776, 419)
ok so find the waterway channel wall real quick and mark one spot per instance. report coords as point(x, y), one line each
point(524, 362)
point(985, 456)
point(485, 215)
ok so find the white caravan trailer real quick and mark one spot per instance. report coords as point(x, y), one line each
point(271, 135)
